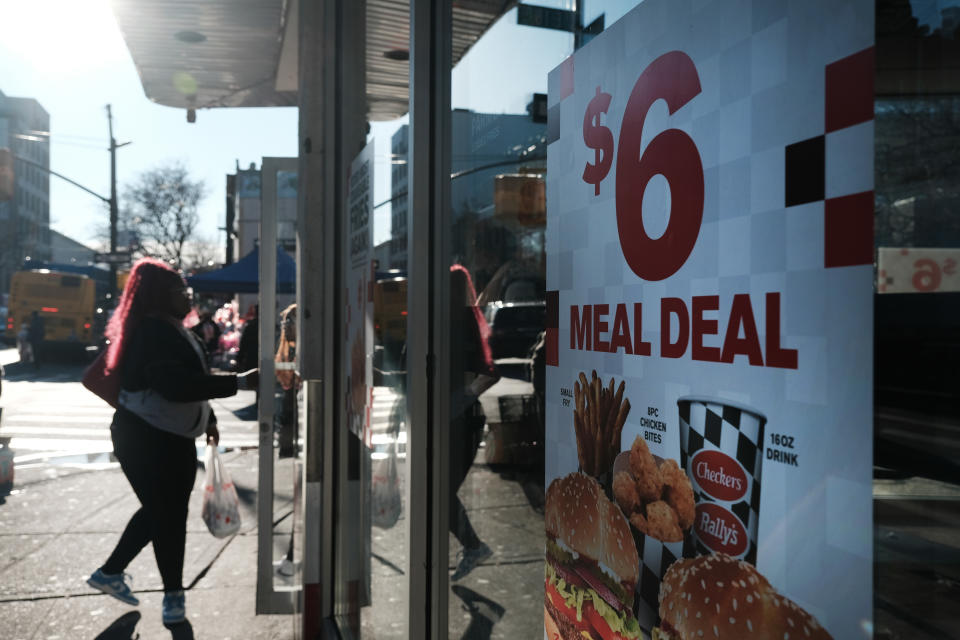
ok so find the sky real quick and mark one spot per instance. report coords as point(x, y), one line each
point(69, 55)
point(77, 63)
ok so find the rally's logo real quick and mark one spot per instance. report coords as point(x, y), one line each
point(720, 530)
point(672, 154)
point(719, 476)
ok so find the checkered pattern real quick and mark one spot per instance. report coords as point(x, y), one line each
point(737, 433)
point(655, 558)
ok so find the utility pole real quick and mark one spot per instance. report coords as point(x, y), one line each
point(113, 207)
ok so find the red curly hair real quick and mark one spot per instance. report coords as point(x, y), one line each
point(146, 293)
point(462, 292)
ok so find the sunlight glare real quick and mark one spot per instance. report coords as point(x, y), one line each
point(58, 36)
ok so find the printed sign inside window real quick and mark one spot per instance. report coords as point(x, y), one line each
point(709, 325)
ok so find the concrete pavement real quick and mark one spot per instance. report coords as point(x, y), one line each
point(56, 528)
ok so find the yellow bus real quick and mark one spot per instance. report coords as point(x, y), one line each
point(65, 302)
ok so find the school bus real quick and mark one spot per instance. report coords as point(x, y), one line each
point(390, 315)
point(65, 302)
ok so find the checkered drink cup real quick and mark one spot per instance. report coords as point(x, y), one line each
point(721, 449)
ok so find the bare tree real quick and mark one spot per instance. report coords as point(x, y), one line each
point(161, 205)
point(202, 254)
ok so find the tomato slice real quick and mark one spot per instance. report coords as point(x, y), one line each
point(599, 625)
point(561, 606)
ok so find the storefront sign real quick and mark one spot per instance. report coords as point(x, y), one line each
point(358, 295)
point(709, 324)
point(917, 270)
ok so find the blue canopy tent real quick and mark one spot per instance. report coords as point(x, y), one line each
point(243, 276)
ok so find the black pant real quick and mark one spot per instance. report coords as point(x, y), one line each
point(465, 432)
point(161, 468)
point(287, 437)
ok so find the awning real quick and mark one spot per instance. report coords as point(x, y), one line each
point(242, 53)
point(243, 276)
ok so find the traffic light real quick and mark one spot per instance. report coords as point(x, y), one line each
point(6, 175)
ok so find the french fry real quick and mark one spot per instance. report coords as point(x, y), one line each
point(581, 441)
point(614, 411)
point(621, 419)
point(577, 400)
point(600, 413)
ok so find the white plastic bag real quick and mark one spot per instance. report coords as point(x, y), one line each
point(386, 502)
point(221, 507)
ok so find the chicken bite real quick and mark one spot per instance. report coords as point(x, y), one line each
point(639, 522)
point(678, 493)
point(645, 471)
point(625, 492)
point(662, 522)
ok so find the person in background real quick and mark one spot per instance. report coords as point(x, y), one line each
point(249, 349)
point(162, 407)
point(23, 343)
point(36, 334)
point(285, 360)
point(209, 333)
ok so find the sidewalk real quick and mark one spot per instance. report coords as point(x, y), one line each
point(58, 525)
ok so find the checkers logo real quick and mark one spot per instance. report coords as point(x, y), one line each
point(719, 475)
point(720, 530)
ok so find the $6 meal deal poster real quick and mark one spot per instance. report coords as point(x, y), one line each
point(709, 323)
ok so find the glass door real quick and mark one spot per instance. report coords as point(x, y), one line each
point(280, 468)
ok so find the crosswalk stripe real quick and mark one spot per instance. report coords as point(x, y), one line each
point(8, 430)
point(40, 449)
point(50, 418)
point(23, 424)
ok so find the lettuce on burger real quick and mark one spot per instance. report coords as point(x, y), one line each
point(592, 564)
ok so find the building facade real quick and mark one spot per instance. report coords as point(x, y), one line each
point(25, 220)
point(65, 250)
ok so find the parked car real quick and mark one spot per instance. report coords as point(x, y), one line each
point(515, 307)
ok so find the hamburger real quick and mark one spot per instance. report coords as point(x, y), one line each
point(592, 565)
point(716, 596)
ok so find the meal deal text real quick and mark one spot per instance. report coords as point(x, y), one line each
point(710, 264)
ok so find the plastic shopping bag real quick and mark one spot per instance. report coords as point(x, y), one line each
point(221, 507)
point(386, 502)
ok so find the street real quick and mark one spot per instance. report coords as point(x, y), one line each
point(55, 423)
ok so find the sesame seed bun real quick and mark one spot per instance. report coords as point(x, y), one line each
point(716, 596)
point(579, 514)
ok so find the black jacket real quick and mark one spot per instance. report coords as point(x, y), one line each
point(159, 357)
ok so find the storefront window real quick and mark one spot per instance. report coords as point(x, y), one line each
point(917, 235)
point(496, 308)
point(376, 337)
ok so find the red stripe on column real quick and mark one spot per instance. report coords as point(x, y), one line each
point(312, 610)
point(848, 230)
point(566, 78)
point(849, 90)
point(553, 328)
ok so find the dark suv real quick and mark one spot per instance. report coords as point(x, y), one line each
point(516, 315)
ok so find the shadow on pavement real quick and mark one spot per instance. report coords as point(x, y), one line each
point(123, 628)
point(246, 495)
point(484, 613)
point(181, 631)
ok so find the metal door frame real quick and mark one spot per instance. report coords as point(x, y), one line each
point(269, 599)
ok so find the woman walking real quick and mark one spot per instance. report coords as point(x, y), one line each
point(162, 408)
